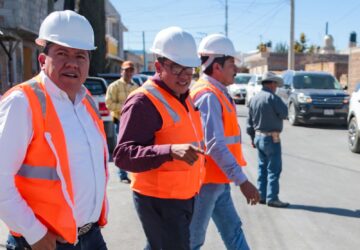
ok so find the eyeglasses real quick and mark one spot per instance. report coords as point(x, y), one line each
point(177, 69)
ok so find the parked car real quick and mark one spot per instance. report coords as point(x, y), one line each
point(148, 73)
point(237, 90)
point(139, 79)
point(354, 121)
point(97, 87)
point(314, 97)
point(254, 86)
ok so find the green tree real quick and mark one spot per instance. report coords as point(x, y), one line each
point(301, 46)
point(94, 11)
point(281, 47)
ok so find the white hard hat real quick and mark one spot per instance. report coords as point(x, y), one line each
point(177, 45)
point(215, 45)
point(67, 28)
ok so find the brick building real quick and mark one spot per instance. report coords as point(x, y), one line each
point(335, 64)
point(354, 68)
point(19, 22)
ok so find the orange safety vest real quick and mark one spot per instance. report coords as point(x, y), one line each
point(214, 174)
point(173, 179)
point(44, 179)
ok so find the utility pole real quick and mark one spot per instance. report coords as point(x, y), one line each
point(144, 51)
point(226, 18)
point(291, 53)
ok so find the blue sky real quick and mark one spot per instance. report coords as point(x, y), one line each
point(250, 21)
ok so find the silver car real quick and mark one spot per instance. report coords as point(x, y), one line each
point(237, 90)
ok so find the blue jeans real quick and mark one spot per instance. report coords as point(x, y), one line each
point(270, 165)
point(214, 201)
point(92, 240)
point(122, 174)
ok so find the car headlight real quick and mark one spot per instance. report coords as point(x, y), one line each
point(346, 99)
point(302, 98)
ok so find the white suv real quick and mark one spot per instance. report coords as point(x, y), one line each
point(253, 87)
point(354, 121)
point(97, 87)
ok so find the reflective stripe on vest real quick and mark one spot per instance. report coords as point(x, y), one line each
point(201, 85)
point(232, 139)
point(160, 97)
point(39, 94)
point(44, 173)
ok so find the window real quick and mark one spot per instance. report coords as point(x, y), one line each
point(312, 81)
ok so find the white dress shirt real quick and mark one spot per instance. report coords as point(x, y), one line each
point(85, 148)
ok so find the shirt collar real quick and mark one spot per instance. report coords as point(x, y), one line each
point(58, 93)
point(130, 83)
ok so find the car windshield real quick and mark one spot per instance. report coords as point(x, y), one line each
point(312, 81)
point(242, 79)
point(95, 87)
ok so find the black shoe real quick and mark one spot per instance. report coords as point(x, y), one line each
point(262, 202)
point(125, 180)
point(278, 203)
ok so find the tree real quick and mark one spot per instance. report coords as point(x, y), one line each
point(281, 48)
point(94, 11)
point(300, 46)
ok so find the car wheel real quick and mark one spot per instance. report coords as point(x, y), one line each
point(353, 136)
point(293, 115)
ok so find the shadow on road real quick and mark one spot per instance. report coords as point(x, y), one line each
point(321, 163)
point(328, 210)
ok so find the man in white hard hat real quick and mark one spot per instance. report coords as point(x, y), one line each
point(53, 167)
point(222, 135)
point(160, 142)
point(264, 125)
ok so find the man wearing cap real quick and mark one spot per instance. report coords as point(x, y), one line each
point(116, 94)
point(160, 142)
point(222, 135)
point(53, 170)
point(265, 122)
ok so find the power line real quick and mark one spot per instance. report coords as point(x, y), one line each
point(261, 19)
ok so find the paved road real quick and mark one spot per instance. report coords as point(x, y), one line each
point(320, 179)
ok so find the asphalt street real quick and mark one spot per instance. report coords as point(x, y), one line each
point(320, 179)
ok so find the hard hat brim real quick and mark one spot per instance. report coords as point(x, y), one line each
point(74, 45)
point(186, 62)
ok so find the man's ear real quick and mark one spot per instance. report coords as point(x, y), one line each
point(41, 59)
point(157, 66)
point(217, 67)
